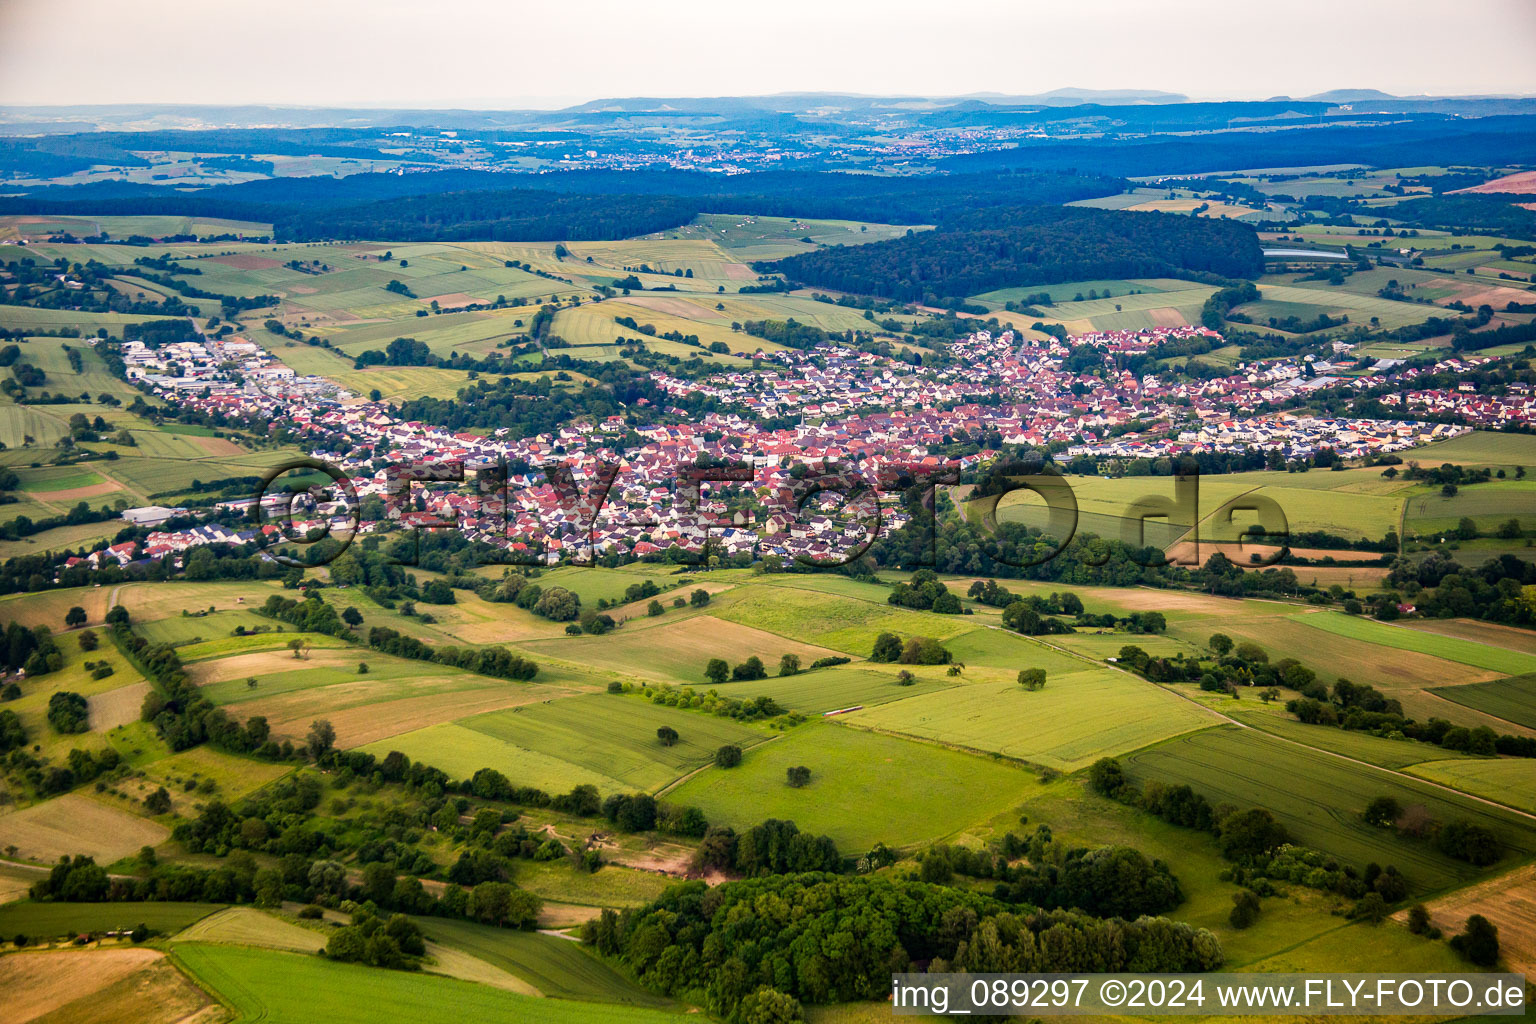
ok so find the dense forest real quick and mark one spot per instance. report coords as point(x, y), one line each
point(1487, 140)
point(504, 216)
point(998, 248)
point(824, 938)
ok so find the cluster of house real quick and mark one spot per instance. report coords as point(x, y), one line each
point(229, 375)
point(1517, 407)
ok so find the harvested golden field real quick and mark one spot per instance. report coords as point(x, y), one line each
point(1509, 901)
point(133, 986)
point(1522, 182)
point(118, 707)
point(75, 823)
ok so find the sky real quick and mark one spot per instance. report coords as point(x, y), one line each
point(518, 53)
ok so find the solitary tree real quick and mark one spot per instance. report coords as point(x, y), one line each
point(1032, 678)
point(1479, 943)
point(1245, 909)
point(667, 735)
point(797, 776)
point(728, 756)
point(717, 671)
point(1382, 812)
point(789, 665)
point(351, 616)
point(1221, 644)
point(654, 608)
point(75, 617)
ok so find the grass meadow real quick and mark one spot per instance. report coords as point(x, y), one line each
point(905, 792)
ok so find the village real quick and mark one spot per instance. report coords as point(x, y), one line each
point(858, 414)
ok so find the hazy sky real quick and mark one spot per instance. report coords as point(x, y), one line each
point(512, 52)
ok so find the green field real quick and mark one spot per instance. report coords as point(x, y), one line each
point(1489, 505)
point(844, 624)
point(556, 967)
point(1319, 799)
point(51, 920)
point(1481, 448)
point(290, 988)
point(1451, 648)
point(830, 689)
point(1079, 717)
point(1377, 750)
point(1353, 503)
point(604, 739)
point(1512, 699)
point(1504, 780)
point(904, 792)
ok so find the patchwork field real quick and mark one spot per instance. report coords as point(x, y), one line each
point(1319, 799)
point(1334, 656)
point(606, 739)
point(1450, 648)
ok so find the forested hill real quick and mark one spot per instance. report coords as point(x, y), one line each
point(503, 216)
point(474, 204)
point(1029, 245)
